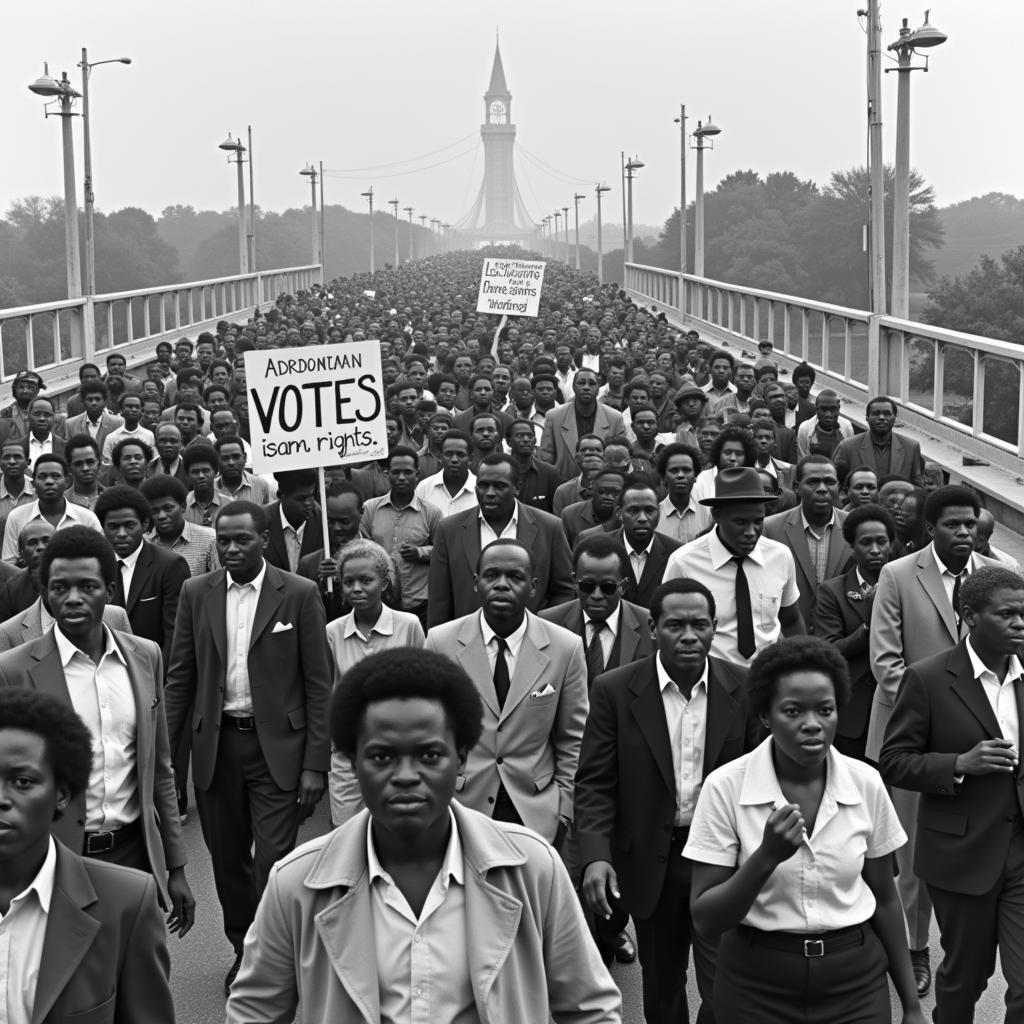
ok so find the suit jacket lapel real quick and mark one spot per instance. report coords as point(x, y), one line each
point(862, 608)
point(47, 674)
point(648, 711)
point(569, 426)
point(269, 602)
point(143, 572)
point(530, 664)
point(355, 963)
point(144, 694)
point(898, 454)
point(70, 931)
point(471, 540)
point(472, 656)
point(526, 527)
point(630, 632)
point(798, 545)
point(31, 624)
point(721, 713)
point(969, 690)
point(931, 579)
point(218, 613)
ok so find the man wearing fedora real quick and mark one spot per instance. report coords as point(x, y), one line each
point(752, 578)
point(690, 403)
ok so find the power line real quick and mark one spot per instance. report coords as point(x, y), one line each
point(398, 163)
point(400, 174)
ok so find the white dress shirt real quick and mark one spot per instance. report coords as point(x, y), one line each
point(638, 559)
point(513, 640)
point(608, 634)
point(292, 540)
point(1002, 696)
point(434, 490)
point(687, 721)
point(239, 610)
point(37, 447)
point(22, 515)
point(22, 935)
point(487, 533)
point(110, 442)
point(948, 577)
point(126, 566)
point(103, 698)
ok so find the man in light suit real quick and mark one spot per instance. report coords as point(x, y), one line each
point(95, 422)
point(461, 537)
point(250, 675)
point(954, 737)
point(129, 814)
point(879, 448)
point(815, 519)
point(564, 424)
point(913, 618)
point(532, 678)
point(86, 942)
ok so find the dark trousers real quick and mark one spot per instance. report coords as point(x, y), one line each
point(130, 853)
point(663, 943)
point(244, 807)
point(756, 983)
point(970, 929)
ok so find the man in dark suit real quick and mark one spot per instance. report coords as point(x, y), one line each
point(813, 530)
point(636, 789)
point(95, 422)
point(954, 736)
point(293, 522)
point(250, 674)
point(879, 448)
point(461, 537)
point(149, 578)
point(597, 513)
point(98, 950)
point(40, 434)
point(842, 617)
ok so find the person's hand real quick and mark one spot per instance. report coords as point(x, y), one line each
point(409, 552)
point(600, 881)
point(783, 833)
point(183, 903)
point(311, 789)
point(987, 757)
point(327, 568)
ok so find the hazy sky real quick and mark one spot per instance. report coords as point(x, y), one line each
point(361, 85)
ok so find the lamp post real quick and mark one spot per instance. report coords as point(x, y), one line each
point(309, 171)
point(408, 210)
point(446, 227)
point(64, 94)
point(906, 47)
point(576, 200)
point(704, 135)
point(323, 212)
point(422, 218)
point(681, 121)
point(230, 145)
point(558, 242)
point(565, 224)
point(252, 211)
point(632, 166)
point(368, 194)
point(876, 267)
point(598, 189)
point(394, 203)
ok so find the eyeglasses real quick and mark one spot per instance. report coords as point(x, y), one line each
point(607, 587)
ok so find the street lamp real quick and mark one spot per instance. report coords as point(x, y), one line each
point(576, 200)
point(565, 224)
point(230, 145)
point(446, 227)
point(309, 171)
point(394, 203)
point(906, 47)
point(368, 194)
point(681, 121)
point(65, 95)
point(598, 189)
point(408, 210)
point(556, 215)
point(422, 218)
point(632, 165)
point(704, 135)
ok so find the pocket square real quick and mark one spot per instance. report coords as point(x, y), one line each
point(282, 627)
point(549, 689)
point(143, 600)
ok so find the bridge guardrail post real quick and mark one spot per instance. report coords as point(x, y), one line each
point(878, 360)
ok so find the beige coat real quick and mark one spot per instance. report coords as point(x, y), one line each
point(531, 958)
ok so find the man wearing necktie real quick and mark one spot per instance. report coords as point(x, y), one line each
point(532, 677)
point(752, 578)
point(954, 738)
point(912, 619)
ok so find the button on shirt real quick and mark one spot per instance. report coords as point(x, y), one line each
point(20, 517)
point(422, 962)
point(103, 698)
point(818, 541)
point(686, 525)
point(1002, 696)
point(819, 888)
point(22, 934)
point(771, 579)
point(239, 610)
point(37, 447)
point(434, 491)
point(608, 634)
point(687, 721)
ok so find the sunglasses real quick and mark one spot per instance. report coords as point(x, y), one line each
point(607, 587)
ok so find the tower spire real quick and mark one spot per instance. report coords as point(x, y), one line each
point(497, 86)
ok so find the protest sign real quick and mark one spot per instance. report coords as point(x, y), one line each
point(510, 287)
point(316, 406)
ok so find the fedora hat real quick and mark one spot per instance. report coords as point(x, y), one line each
point(738, 486)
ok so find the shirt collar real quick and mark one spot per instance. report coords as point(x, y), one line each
point(514, 521)
point(665, 680)
point(26, 489)
point(256, 583)
point(630, 550)
point(67, 650)
point(42, 885)
point(968, 568)
point(761, 784)
point(1014, 669)
point(513, 640)
point(130, 560)
point(286, 526)
point(816, 529)
point(721, 555)
point(452, 867)
point(612, 622)
point(385, 624)
point(668, 509)
point(414, 502)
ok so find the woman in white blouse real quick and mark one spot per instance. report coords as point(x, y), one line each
point(792, 848)
point(369, 583)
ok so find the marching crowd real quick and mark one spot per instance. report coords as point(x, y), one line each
point(625, 627)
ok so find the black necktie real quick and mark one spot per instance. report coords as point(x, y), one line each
point(956, 595)
point(595, 653)
point(744, 616)
point(501, 679)
point(120, 598)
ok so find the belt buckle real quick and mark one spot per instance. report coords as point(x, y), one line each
point(99, 842)
point(246, 724)
point(814, 948)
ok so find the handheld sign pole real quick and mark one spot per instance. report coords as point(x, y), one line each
point(323, 521)
point(497, 335)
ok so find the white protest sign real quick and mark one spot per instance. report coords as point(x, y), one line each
point(510, 287)
point(315, 406)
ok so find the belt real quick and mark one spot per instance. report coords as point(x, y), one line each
point(104, 842)
point(810, 946)
point(241, 723)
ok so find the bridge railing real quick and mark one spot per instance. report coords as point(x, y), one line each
point(55, 338)
point(962, 388)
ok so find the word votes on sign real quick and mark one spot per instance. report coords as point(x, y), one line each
point(311, 407)
point(510, 287)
